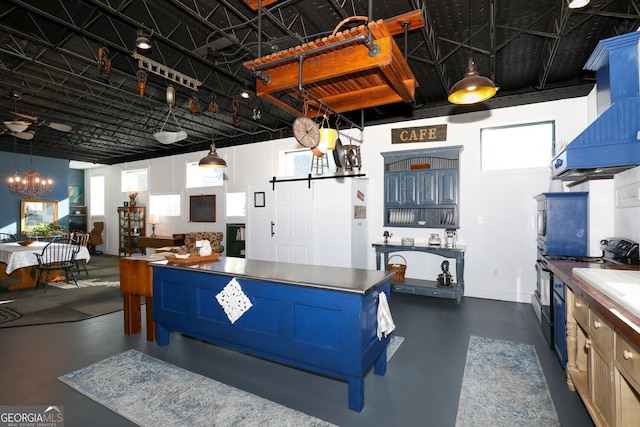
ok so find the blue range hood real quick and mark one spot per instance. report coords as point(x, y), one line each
point(611, 143)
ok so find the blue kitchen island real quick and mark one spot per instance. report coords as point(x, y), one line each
point(318, 318)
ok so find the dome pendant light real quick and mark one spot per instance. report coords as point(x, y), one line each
point(473, 88)
point(212, 160)
point(142, 40)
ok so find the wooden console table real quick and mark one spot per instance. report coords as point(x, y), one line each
point(426, 287)
point(159, 241)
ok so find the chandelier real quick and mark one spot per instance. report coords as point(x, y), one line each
point(30, 185)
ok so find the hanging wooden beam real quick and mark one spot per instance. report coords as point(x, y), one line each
point(253, 4)
point(358, 68)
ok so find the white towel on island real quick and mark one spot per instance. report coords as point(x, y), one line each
point(385, 321)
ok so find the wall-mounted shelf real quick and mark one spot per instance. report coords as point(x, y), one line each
point(77, 219)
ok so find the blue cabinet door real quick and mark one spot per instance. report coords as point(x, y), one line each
point(427, 188)
point(400, 189)
point(447, 186)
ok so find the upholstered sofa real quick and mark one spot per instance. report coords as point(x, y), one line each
point(215, 237)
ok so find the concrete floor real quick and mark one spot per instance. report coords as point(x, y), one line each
point(421, 387)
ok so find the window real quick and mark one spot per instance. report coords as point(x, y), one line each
point(204, 177)
point(165, 204)
point(97, 195)
point(236, 204)
point(134, 180)
point(517, 147)
point(298, 162)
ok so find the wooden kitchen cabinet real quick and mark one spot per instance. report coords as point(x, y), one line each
point(603, 366)
point(627, 381)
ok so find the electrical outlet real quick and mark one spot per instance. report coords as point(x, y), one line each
point(480, 219)
point(495, 272)
point(628, 195)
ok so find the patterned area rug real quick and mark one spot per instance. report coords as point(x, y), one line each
point(86, 284)
point(151, 392)
point(8, 315)
point(503, 385)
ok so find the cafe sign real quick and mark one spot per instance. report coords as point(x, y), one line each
point(419, 134)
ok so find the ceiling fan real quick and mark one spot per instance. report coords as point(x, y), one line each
point(35, 121)
point(19, 128)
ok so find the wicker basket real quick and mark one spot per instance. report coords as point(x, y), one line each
point(399, 269)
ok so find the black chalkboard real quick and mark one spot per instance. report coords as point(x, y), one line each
point(202, 208)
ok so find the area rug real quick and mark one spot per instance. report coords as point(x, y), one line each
point(86, 283)
point(503, 385)
point(7, 315)
point(393, 346)
point(151, 392)
point(61, 303)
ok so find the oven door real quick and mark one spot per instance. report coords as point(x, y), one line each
point(544, 297)
point(541, 223)
point(544, 282)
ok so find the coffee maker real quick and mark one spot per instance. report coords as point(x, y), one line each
point(450, 239)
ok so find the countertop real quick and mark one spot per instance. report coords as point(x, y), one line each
point(621, 318)
point(352, 280)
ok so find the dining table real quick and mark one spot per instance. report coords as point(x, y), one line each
point(21, 263)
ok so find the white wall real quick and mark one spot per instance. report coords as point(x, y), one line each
point(627, 220)
point(497, 208)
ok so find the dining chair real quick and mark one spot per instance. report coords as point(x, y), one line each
point(7, 238)
point(95, 238)
point(59, 255)
point(81, 239)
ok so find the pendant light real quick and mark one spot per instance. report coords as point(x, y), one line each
point(212, 160)
point(577, 4)
point(164, 136)
point(473, 87)
point(143, 40)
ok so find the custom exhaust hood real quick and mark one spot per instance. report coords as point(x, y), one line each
point(611, 143)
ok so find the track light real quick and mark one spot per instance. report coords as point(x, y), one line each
point(142, 41)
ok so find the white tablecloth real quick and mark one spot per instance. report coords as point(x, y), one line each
point(16, 256)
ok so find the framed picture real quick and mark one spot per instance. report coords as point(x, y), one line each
point(125, 204)
point(202, 208)
point(258, 199)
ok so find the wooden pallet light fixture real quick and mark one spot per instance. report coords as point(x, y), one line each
point(350, 70)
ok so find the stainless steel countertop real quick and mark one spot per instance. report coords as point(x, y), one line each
point(352, 280)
